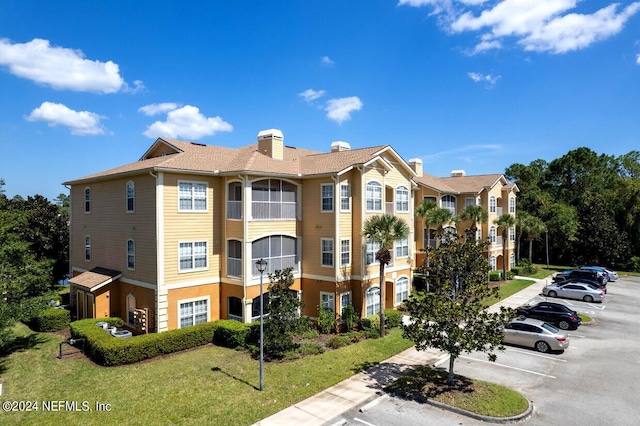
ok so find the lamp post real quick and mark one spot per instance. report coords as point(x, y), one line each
point(262, 266)
point(547, 245)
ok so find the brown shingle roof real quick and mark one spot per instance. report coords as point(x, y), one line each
point(95, 278)
point(460, 184)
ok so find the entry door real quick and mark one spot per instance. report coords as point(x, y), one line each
point(89, 306)
point(80, 305)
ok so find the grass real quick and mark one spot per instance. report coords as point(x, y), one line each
point(484, 398)
point(208, 385)
point(507, 289)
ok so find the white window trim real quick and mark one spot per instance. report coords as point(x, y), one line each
point(374, 244)
point(133, 197)
point(84, 200)
point(322, 252)
point(376, 300)
point(397, 246)
point(186, 271)
point(512, 233)
point(455, 203)
point(350, 300)
point(467, 203)
point(332, 296)
point(206, 196)
point(134, 254)
point(333, 198)
point(349, 252)
point(402, 187)
point(85, 248)
point(493, 208)
point(347, 196)
point(492, 235)
point(193, 300)
point(379, 185)
point(395, 288)
point(492, 263)
point(130, 296)
point(512, 204)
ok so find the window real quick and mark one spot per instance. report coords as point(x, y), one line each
point(273, 199)
point(87, 248)
point(492, 234)
point(449, 202)
point(131, 309)
point(131, 192)
point(469, 202)
point(234, 201)
point(193, 312)
point(492, 263)
point(512, 233)
point(131, 254)
point(345, 193)
point(372, 300)
point(234, 308)
point(345, 252)
point(372, 249)
point(193, 196)
point(492, 204)
point(512, 205)
point(345, 300)
point(234, 258)
point(429, 199)
point(327, 197)
point(429, 238)
point(193, 256)
point(402, 289)
point(402, 199)
point(327, 251)
point(87, 200)
point(327, 301)
point(374, 197)
point(402, 247)
point(279, 251)
point(512, 260)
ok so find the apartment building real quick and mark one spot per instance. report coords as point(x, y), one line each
point(177, 234)
point(492, 191)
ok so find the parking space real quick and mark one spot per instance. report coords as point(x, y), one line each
point(595, 381)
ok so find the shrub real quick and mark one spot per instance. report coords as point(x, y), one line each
point(350, 318)
point(527, 267)
point(495, 275)
point(310, 348)
point(371, 322)
point(338, 341)
point(107, 350)
point(516, 270)
point(510, 275)
point(392, 318)
point(51, 319)
point(326, 320)
point(230, 333)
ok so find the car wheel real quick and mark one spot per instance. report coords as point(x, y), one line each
point(588, 299)
point(542, 346)
point(564, 325)
point(552, 294)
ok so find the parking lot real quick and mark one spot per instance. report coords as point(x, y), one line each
point(595, 381)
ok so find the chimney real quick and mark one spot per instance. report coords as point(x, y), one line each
point(416, 166)
point(271, 143)
point(458, 173)
point(340, 146)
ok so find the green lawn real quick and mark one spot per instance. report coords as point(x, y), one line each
point(507, 289)
point(209, 385)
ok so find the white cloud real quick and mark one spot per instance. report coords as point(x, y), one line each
point(326, 60)
point(638, 59)
point(340, 109)
point(311, 95)
point(187, 123)
point(537, 25)
point(61, 68)
point(464, 152)
point(160, 108)
point(82, 123)
point(491, 80)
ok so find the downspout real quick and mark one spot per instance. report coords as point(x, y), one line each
point(70, 240)
point(336, 239)
point(159, 204)
point(245, 233)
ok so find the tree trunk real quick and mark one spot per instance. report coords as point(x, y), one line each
point(427, 258)
point(504, 255)
point(450, 377)
point(530, 250)
point(382, 298)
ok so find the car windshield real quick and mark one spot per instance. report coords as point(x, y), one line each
point(550, 328)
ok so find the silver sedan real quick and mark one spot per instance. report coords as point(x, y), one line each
point(579, 291)
point(536, 334)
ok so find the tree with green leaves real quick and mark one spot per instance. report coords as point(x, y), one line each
point(284, 319)
point(454, 319)
point(505, 222)
point(476, 214)
point(384, 230)
point(424, 211)
point(532, 227)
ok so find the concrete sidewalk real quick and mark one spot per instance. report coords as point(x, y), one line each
point(367, 385)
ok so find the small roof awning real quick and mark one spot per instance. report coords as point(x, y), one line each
point(96, 278)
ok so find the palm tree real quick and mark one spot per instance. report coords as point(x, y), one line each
point(384, 230)
point(532, 227)
point(505, 222)
point(424, 211)
point(475, 214)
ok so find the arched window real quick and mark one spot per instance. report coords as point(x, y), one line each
point(402, 199)
point(372, 300)
point(512, 233)
point(374, 196)
point(492, 263)
point(492, 204)
point(512, 260)
point(131, 254)
point(279, 251)
point(87, 200)
point(449, 202)
point(402, 289)
point(87, 248)
point(512, 204)
point(131, 308)
point(492, 234)
point(131, 193)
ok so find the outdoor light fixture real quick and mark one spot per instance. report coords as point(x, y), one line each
point(262, 266)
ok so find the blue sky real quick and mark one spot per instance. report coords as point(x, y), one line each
point(473, 84)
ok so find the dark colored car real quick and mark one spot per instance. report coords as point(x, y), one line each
point(588, 274)
point(554, 313)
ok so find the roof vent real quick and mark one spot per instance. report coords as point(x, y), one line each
point(416, 166)
point(458, 173)
point(271, 143)
point(340, 146)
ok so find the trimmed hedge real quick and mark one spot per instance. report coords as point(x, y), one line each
point(107, 350)
point(495, 276)
point(230, 333)
point(392, 318)
point(51, 319)
point(371, 322)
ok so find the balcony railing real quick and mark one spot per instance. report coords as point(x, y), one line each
point(261, 210)
point(275, 263)
point(234, 209)
point(388, 208)
point(234, 267)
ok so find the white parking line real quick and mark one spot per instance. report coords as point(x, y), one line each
point(508, 366)
point(579, 336)
point(536, 354)
point(363, 422)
